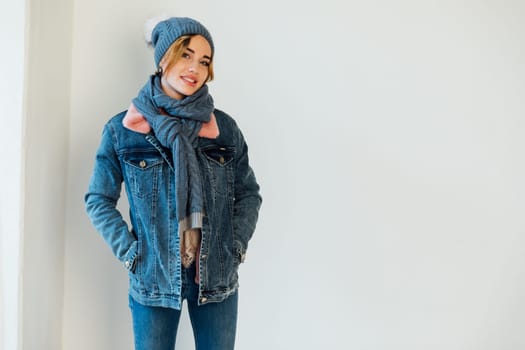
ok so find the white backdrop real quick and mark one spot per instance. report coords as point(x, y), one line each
point(12, 25)
point(387, 137)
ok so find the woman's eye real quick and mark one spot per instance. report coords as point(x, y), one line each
point(205, 63)
point(185, 55)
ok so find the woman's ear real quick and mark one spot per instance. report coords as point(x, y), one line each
point(162, 67)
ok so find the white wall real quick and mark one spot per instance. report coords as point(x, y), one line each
point(387, 138)
point(12, 37)
point(46, 158)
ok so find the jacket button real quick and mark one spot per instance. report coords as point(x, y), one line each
point(142, 164)
point(203, 300)
point(127, 263)
point(204, 256)
point(221, 160)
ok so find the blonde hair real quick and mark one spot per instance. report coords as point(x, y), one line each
point(175, 51)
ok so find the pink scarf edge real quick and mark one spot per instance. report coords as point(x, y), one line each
point(135, 121)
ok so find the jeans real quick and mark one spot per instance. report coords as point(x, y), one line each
point(214, 324)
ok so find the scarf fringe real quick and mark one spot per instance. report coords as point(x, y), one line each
point(193, 221)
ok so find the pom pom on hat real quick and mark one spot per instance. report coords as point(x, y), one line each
point(165, 31)
point(150, 25)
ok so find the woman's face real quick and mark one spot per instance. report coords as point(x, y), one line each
point(190, 72)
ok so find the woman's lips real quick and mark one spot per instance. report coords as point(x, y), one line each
point(189, 80)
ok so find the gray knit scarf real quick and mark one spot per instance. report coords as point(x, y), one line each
point(178, 131)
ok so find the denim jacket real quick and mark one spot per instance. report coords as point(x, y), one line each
point(150, 249)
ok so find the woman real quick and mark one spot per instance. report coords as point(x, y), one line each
point(193, 197)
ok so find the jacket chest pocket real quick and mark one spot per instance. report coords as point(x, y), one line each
point(143, 171)
point(218, 163)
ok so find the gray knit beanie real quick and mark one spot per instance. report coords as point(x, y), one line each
point(167, 31)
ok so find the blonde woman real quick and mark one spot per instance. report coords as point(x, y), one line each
point(193, 197)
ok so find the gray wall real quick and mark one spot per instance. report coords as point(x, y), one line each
point(387, 137)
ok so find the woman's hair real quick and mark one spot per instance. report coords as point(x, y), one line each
point(175, 51)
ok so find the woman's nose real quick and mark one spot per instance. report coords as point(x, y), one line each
point(192, 67)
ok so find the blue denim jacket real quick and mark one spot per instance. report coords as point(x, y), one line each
point(150, 250)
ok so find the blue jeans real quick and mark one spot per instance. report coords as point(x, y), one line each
point(214, 324)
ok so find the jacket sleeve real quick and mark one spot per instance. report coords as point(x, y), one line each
point(101, 201)
point(247, 199)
